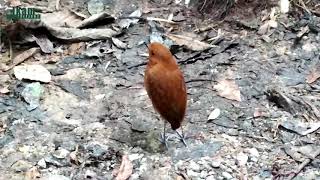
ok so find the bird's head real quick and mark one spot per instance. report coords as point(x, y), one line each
point(158, 53)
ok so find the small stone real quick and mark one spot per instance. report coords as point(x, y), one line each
point(214, 114)
point(254, 152)
point(210, 177)
point(216, 164)
point(55, 161)
point(227, 175)
point(133, 157)
point(254, 159)
point(61, 153)
point(32, 72)
point(134, 176)
point(21, 166)
point(90, 175)
point(32, 94)
point(42, 163)
point(233, 132)
point(180, 165)
point(242, 159)
point(97, 150)
point(194, 166)
point(203, 174)
point(54, 177)
point(191, 173)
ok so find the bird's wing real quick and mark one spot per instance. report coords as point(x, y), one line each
point(167, 92)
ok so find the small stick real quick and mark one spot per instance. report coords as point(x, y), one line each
point(148, 19)
point(304, 164)
point(57, 4)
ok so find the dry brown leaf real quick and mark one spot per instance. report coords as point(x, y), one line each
point(32, 173)
point(179, 178)
point(61, 19)
point(258, 112)
point(76, 48)
point(45, 44)
point(3, 127)
point(313, 76)
point(74, 156)
point(14, 3)
point(189, 42)
point(4, 89)
point(263, 28)
point(25, 55)
point(228, 88)
point(125, 169)
point(22, 57)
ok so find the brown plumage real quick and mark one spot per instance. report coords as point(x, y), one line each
point(165, 86)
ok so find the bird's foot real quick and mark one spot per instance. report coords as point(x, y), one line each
point(182, 138)
point(164, 139)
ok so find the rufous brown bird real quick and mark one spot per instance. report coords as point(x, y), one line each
point(165, 85)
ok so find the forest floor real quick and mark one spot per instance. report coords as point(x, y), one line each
point(253, 93)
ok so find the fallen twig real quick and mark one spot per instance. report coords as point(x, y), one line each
point(57, 5)
point(303, 165)
point(148, 19)
point(22, 57)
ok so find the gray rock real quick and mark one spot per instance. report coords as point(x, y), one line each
point(211, 177)
point(55, 161)
point(227, 175)
point(21, 166)
point(54, 177)
point(194, 166)
point(197, 151)
point(254, 152)
point(216, 164)
point(61, 153)
point(42, 163)
point(90, 174)
point(203, 174)
point(242, 159)
point(192, 173)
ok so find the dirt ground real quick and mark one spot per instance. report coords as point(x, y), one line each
point(253, 97)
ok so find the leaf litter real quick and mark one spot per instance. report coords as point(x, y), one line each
point(108, 103)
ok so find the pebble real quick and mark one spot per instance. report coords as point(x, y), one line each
point(203, 174)
point(191, 173)
point(42, 163)
point(242, 159)
point(194, 166)
point(227, 175)
point(90, 175)
point(254, 152)
point(21, 166)
point(179, 166)
point(61, 153)
point(210, 178)
point(133, 157)
point(216, 164)
point(254, 159)
point(54, 177)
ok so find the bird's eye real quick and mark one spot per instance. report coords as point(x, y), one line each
point(152, 53)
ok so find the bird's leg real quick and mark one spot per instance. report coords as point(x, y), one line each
point(163, 137)
point(181, 136)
